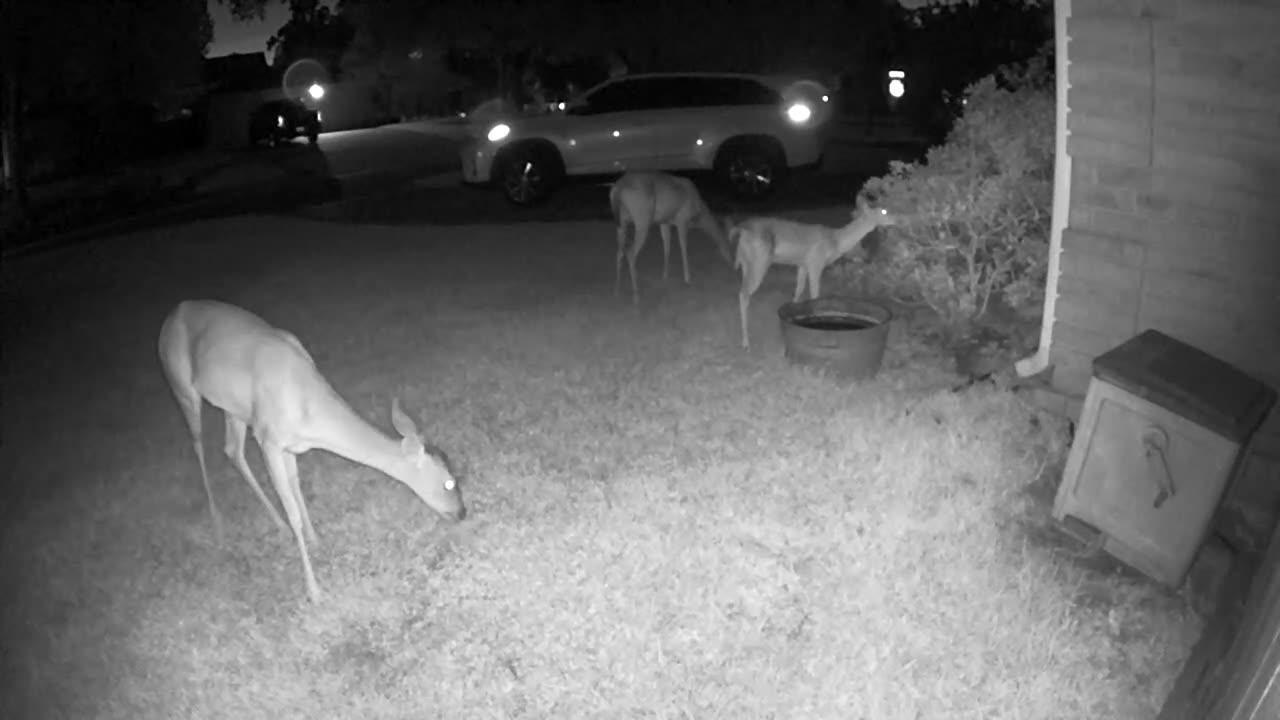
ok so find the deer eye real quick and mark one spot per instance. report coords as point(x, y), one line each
point(450, 484)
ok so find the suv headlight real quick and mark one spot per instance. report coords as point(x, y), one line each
point(498, 132)
point(799, 113)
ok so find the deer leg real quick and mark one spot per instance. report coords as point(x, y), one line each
point(278, 469)
point(799, 283)
point(234, 449)
point(665, 231)
point(191, 405)
point(755, 262)
point(622, 250)
point(641, 234)
point(682, 233)
point(815, 281)
point(295, 485)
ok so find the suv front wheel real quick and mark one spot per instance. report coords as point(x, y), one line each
point(750, 169)
point(528, 174)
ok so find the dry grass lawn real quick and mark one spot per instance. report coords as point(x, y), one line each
point(662, 526)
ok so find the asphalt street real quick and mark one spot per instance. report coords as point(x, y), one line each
point(408, 173)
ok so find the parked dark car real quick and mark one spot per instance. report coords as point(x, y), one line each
point(277, 121)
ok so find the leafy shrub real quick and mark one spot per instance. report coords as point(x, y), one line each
point(976, 210)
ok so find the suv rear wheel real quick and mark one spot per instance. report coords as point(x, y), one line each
point(528, 174)
point(750, 169)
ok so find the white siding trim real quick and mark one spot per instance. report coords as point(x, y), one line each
point(1037, 362)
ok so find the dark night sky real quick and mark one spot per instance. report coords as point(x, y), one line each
point(230, 36)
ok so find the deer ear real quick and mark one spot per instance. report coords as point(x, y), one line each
point(402, 423)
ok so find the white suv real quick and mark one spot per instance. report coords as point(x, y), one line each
point(749, 129)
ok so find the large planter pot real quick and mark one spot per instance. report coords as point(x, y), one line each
point(844, 336)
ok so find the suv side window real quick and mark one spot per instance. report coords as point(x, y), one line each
point(744, 91)
point(717, 92)
point(658, 93)
point(655, 93)
point(615, 97)
point(686, 92)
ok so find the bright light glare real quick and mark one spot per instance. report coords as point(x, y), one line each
point(316, 91)
point(896, 88)
point(498, 132)
point(897, 75)
point(279, 121)
point(826, 98)
point(560, 106)
point(799, 113)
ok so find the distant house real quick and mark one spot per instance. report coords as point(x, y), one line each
point(236, 84)
point(1166, 217)
point(238, 72)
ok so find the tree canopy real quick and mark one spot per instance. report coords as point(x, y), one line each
point(312, 31)
point(66, 50)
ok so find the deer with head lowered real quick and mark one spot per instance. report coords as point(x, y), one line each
point(764, 242)
point(261, 377)
point(642, 199)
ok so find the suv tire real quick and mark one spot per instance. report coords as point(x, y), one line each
point(750, 169)
point(528, 174)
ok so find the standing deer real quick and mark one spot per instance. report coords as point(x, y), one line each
point(262, 377)
point(764, 242)
point(642, 199)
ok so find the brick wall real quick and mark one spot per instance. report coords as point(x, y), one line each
point(1174, 133)
point(1174, 224)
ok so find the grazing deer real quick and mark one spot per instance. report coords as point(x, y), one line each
point(642, 199)
point(261, 377)
point(764, 242)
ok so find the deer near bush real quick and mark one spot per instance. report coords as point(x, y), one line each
point(762, 242)
point(261, 377)
point(643, 199)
